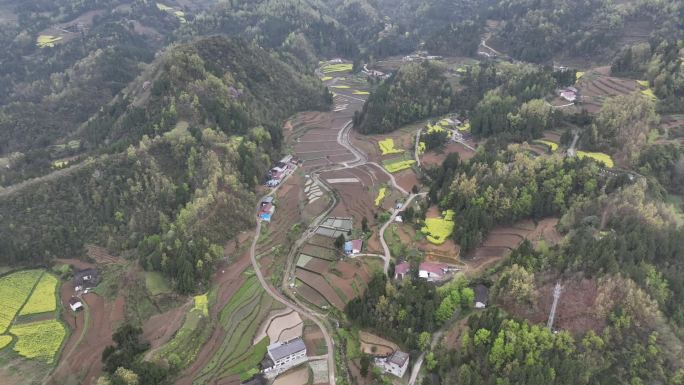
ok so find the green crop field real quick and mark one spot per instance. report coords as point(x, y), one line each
point(40, 340)
point(438, 230)
point(43, 298)
point(156, 283)
point(183, 348)
point(15, 289)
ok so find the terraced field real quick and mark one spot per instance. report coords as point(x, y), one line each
point(595, 86)
point(335, 283)
point(239, 319)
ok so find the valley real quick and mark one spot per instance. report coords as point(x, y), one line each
point(337, 192)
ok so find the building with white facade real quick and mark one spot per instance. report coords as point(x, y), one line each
point(396, 364)
point(284, 355)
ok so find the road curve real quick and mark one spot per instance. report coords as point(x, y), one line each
point(385, 248)
point(305, 312)
point(419, 362)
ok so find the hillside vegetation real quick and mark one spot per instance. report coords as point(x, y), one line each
point(416, 91)
point(192, 152)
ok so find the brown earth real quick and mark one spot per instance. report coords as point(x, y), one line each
point(404, 139)
point(317, 265)
point(76, 264)
point(296, 376)
point(595, 86)
point(313, 337)
point(382, 346)
point(102, 256)
point(318, 283)
point(160, 328)
point(84, 355)
point(576, 306)
point(436, 158)
point(502, 240)
point(310, 295)
point(358, 199)
point(406, 179)
point(453, 336)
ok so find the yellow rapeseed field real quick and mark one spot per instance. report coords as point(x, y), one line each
point(43, 298)
point(40, 340)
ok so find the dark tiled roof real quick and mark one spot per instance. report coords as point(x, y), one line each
point(399, 358)
point(481, 293)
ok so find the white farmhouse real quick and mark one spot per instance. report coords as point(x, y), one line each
point(396, 364)
point(75, 303)
point(285, 355)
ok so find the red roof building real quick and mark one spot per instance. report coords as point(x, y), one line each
point(431, 271)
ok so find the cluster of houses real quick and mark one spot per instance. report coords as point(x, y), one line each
point(569, 93)
point(84, 281)
point(440, 272)
point(279, 170)
point(282, 356)
point(419, 56)
point(374, 73)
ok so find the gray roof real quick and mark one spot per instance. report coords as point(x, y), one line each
point(481, 293)
point(399, 358)
point(278, 350)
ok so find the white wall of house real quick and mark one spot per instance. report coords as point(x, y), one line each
point(391, 368)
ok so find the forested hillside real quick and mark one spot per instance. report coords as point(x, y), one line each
point(49, 91)
point(306, 29)
point(579, 29)
point(193, 146)
point(415, 92)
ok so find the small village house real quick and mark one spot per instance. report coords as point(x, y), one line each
point(266, 211)
point(284, 355)
point(569, 94)
point(86, 279)
point(431, 271)
point(481, 296)
point(75, 304)
point(353, 247)
point(396, 364)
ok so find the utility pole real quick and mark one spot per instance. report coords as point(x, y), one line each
point(556, 296)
